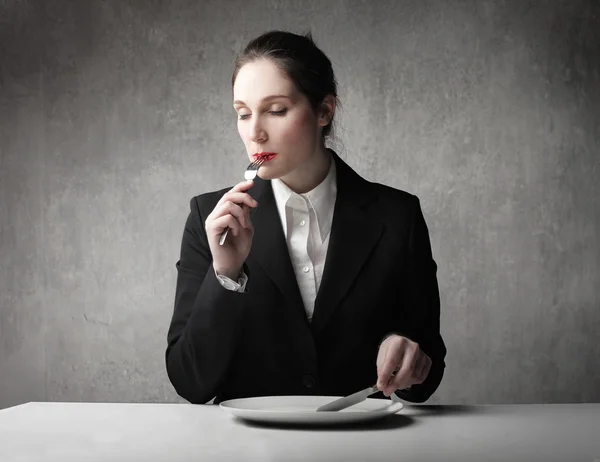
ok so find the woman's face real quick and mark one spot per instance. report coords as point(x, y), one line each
point(275, 118)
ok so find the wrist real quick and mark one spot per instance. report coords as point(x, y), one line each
point(231, 274)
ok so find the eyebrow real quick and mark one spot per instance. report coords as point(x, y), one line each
point(267, 98)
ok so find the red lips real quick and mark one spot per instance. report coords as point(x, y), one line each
point(265, 156)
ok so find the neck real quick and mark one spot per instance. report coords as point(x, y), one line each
point(308, 176)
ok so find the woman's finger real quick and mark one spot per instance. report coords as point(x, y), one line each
point(247, 211)
point(392, 359)
point(229, 208)
point(220, 224)
point(381, 355)
point(424, 372)
point(241, 187)
point(410, 367)
point(404, 376)
point(240, 198)
point(417, 372)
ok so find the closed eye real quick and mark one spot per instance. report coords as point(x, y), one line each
point(278, 113)
point(275, 113)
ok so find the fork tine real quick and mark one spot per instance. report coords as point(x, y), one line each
point(257, 163)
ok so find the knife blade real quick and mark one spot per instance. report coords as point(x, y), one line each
point(347, 401)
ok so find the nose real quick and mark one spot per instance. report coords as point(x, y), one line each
point(257, 132)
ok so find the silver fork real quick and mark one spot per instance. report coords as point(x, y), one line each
point(249, 174)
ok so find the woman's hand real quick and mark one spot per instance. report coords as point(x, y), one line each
point(403, 357)
point(232, 211)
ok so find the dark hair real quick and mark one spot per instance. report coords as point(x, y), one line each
point(300, 58)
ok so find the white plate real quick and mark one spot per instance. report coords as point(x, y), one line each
point(302, 409)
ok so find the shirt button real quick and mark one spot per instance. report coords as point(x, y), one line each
point(308, 381)
point(306, 269)
point(302, 223)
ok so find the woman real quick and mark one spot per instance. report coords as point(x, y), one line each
point(331, 286)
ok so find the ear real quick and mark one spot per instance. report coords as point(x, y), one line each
point(326, 110)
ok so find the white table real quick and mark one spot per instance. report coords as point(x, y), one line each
point(64, 432)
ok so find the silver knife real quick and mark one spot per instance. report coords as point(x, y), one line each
point(347, 401)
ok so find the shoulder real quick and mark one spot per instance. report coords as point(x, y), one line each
point(394, 199)
point(355, 186)
point(397, 209)
point(391, 194)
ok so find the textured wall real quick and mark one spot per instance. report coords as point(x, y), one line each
point(114, 113)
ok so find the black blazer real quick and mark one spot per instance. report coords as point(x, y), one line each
point(379, 277)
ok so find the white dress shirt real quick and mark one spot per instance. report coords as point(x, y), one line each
point(306, 222)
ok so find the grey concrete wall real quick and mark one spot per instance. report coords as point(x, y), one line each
point(114, 113)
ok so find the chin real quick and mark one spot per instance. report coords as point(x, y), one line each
point(270, 172)
point(267, 176)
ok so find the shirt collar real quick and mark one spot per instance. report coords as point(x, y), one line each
point(321, 199)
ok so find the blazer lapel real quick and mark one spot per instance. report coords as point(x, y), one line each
point(269, 248)
point(354, 234)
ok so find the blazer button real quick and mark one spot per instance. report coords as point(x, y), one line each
point(308, 381)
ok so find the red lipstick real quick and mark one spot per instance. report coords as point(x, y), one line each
point(265, 156)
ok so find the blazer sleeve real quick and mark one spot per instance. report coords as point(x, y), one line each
point(206, 318)
point(422, 302)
